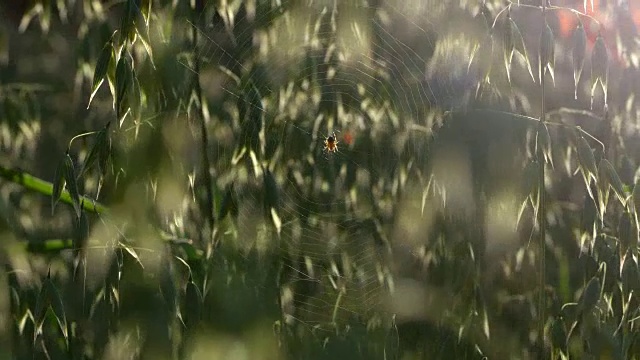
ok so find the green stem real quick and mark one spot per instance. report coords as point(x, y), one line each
point(542, 208)
point(43, 187)
point(204, 141)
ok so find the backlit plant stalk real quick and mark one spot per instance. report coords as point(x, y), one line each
point(208, 181)
point(541, 204)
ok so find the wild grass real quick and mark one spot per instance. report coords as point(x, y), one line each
point(166, 192)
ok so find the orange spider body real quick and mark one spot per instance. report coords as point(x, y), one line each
point(331, 143)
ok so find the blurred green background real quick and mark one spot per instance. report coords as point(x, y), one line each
point(167, 188)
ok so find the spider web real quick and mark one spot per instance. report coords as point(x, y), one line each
point(379, 76)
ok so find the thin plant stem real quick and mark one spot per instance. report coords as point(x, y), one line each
point(43, 187)
point(205, 165)
point(542, 206)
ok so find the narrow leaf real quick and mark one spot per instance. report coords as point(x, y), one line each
point(277, 223)
point(57, 306)
point(42, 305)
point(481, 59)
point(558, 334)
point(544, 142)
point(271, 190)
point(111, 78)
point(135, 97)
point(133, 254)
point(127, 21)
point(523, 206)
point(45, 16)
point(636, 198)
point(603, 186)
point(193, 304)
point(486, 58)
point(529, 186)
point(122, 78)
point(102, 66)
point(62, 10)
point(518, 45)
point(72, 185)
point(591, 295)
point(585, 156)
point(28, 16)
point(123, 83)
point(579, 51)
point(587, 164)
point(58, 185)
point(613, 180)
point(191, 252)
point(507, 44)
point(599, 67)
point(530, 175)
point(104, 151)
point(425, 193)
point(626, 233)
point(91, 158)
point(630, 276)
point(168, 287)
point(547, 52)
point(229, 204)
point(142, 29)
point(599, 59)
point(145, 8)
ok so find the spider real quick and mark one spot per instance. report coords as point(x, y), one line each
point(331, 143)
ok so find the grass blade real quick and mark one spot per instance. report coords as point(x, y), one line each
point(102, 66)
point(58, 185)
point(72, 185)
